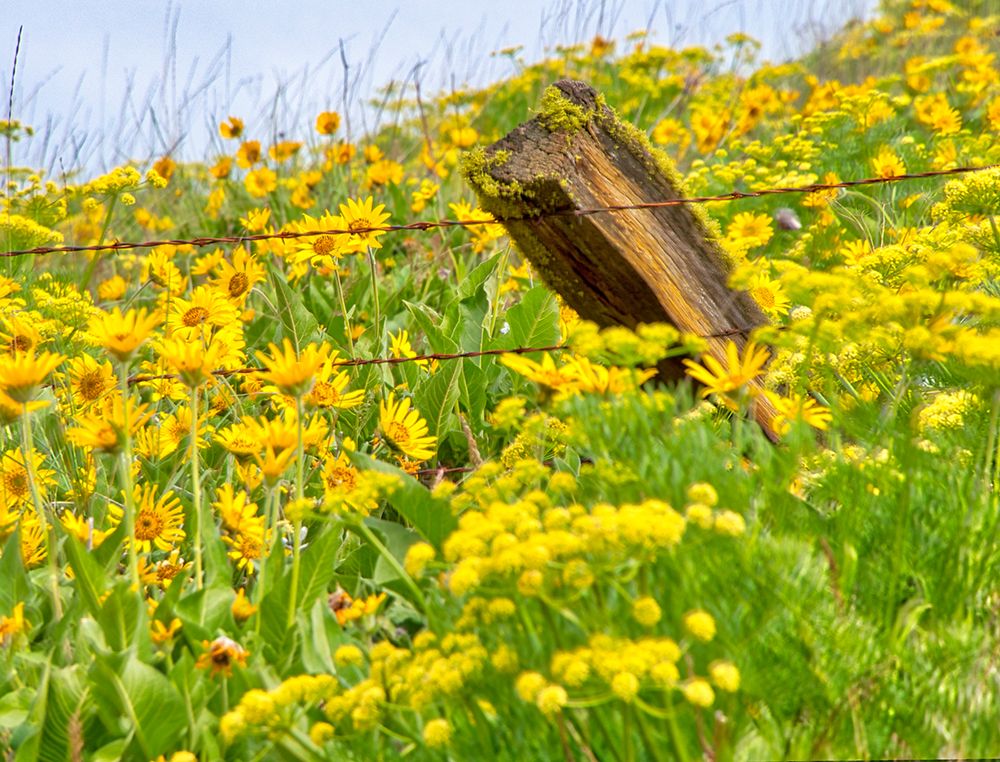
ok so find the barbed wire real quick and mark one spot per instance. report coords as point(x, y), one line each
point(424, 225)
point(358, 362)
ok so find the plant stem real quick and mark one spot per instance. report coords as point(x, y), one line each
point(297, 521)
point(390, 559)
point(269, 532)
point(343, 310)
point(28, 447)
point(89, 273)
point(375, 298)
point(126, 461)
point(196, 490)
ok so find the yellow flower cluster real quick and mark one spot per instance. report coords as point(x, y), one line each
point(534, 545)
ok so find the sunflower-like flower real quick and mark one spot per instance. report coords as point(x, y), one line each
point(798, 407)
point(220, 656)
point(192, 361)
point(236, 279)
point(293, 372)
point(23, 372)
point(123, 333)
point(359, 217)
point(405, 429)
point(90, 380)
point(103, 429)
point(158, 521)
point(246, 547)
point(237, 511)
point(207, 309)
point(319, 248)
point(734, 375)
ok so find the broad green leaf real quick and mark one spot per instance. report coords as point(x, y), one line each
point(475, 280)
point(397, 539)
point(123, 619)
point(534, 321)
point(14, 707)
point(317, 565)
point(436, 397)
point(321, 639)
point(14, 588)
point(67, 694)
point(430, 322)
point(472, 386)
point(274, 615)
point(141, 695)
point(431, 517)
point(298, 323)
point(88, 574)
point(109, 551)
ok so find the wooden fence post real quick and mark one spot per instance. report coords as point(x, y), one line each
point(614, 268)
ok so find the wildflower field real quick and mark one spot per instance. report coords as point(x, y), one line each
point(225, 534)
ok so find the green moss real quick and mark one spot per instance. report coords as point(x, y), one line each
point(637, 142)
point(498, 198)
point(558, 114)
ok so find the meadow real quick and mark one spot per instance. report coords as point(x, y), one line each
point(253, 507)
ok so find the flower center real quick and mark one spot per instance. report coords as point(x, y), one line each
point(91, 385)
point(398, 433)
point(195, 316)
point(17, 482)
point(764, 297)
point(148, 525)
point(238, 284)
point(358, 225)
point(325, 245)
point(20, 343)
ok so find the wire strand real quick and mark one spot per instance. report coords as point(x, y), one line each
point(423, 225)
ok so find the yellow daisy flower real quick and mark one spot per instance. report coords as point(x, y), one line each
point(404, 429)
point(735, 374)
point(358, 216)
point(22, 373)
point(158, 521)
point(123, 333)
point(293, 372)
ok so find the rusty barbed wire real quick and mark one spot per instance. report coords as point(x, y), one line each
point(424, 225)
point(358, 362)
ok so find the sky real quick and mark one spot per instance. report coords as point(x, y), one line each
point(112, 80)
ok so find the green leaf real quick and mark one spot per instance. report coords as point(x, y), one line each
point(472, 387)
point(317, 566)
point(123, 619)
point(14, 589)
point(67, 694)
point(431, 517)
point(430, 322)
point(110, 752)
point(534, 321)
point(143, 698)
point(89, 576)
point(14, 707)
point(298, 322)
point(397, 540)
point(474, 281)
point(321, 639)
point(274, 614)
point(109, 551)
point(436, 397)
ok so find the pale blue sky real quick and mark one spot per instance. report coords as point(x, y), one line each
point(110, 80)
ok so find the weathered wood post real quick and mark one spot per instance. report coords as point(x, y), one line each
point(614, 268)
